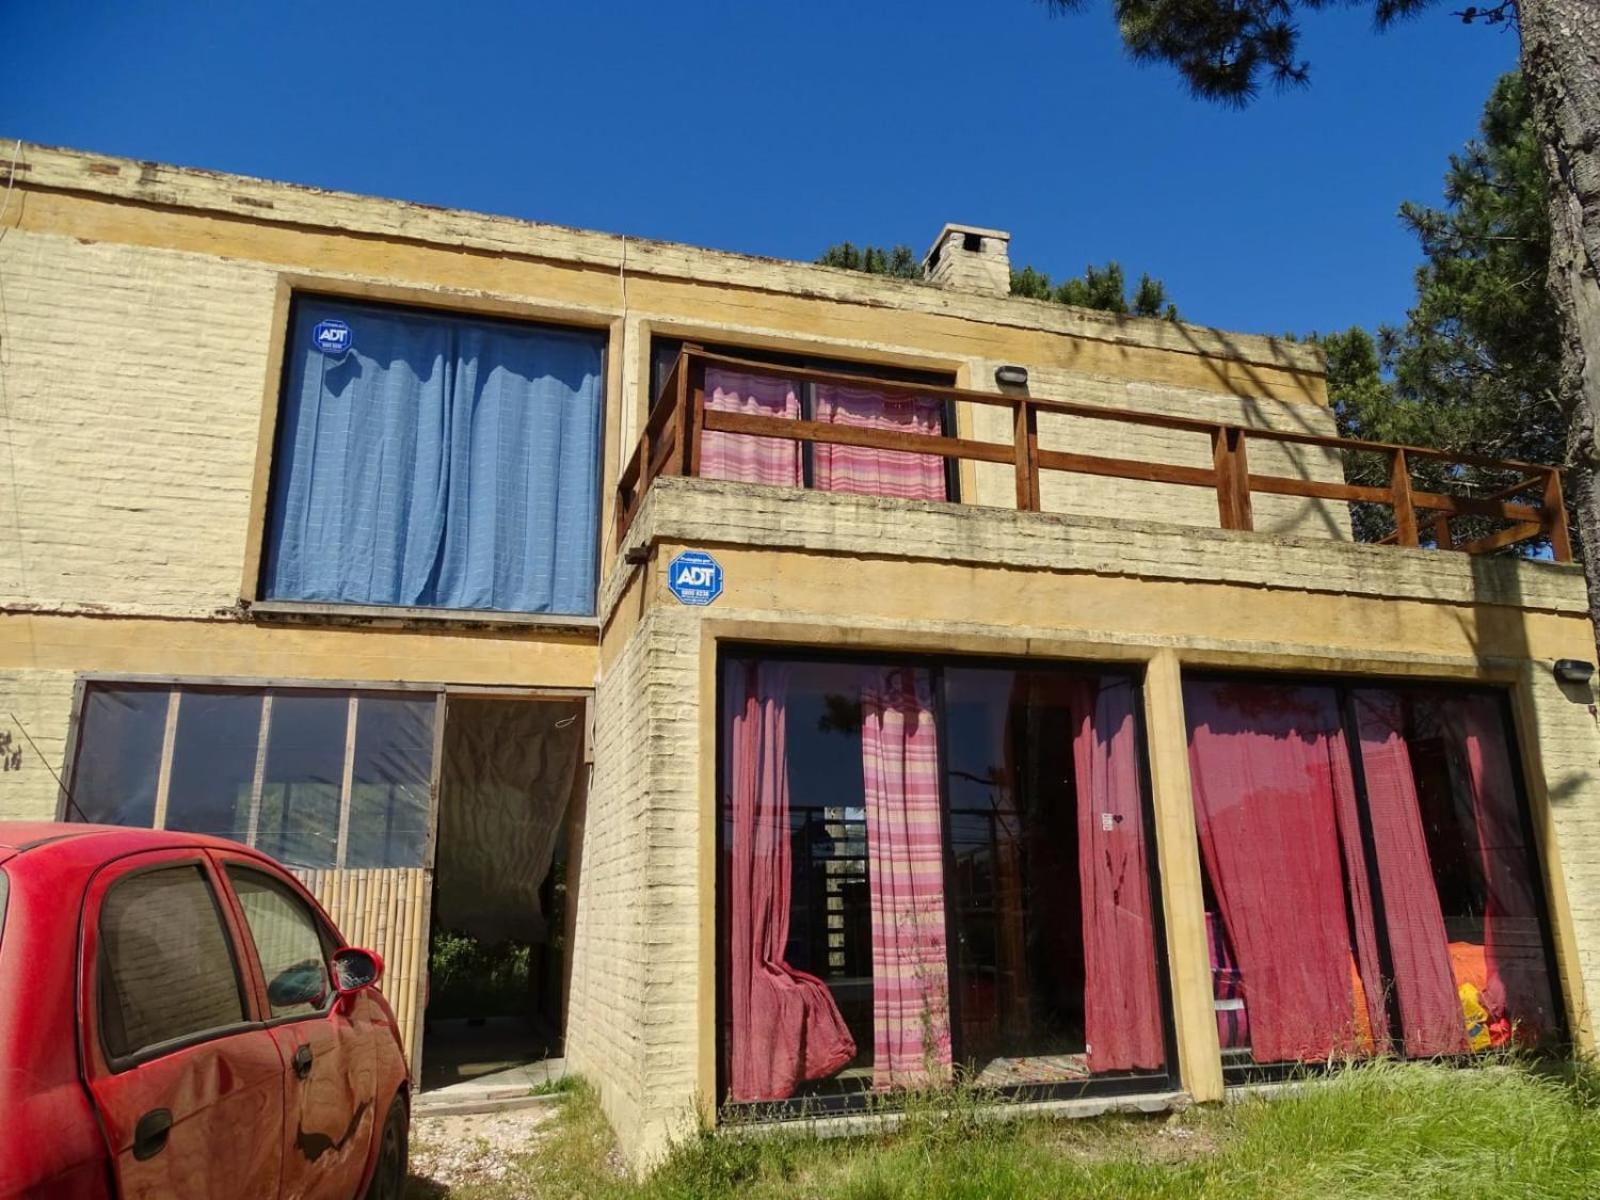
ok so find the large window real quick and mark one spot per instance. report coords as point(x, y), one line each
point(314, 777)
point(435, 461)
point(1370, 882)
point(932, 870)
point(770, 390)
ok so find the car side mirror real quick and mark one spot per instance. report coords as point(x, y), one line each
point(355, 970)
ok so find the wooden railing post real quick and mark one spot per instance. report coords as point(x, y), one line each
point(1232, 467)
point(1442, 537)
point(1405, 513)
point(694, 377)
point(1555, 517)
point(1025, 441)
point(677, 462)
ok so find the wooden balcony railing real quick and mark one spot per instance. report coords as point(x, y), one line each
point(1531, 507)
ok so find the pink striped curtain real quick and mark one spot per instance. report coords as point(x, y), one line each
point(896, 473)
point(1419, 952)
point(1519, 984)
point(910, 981)
point(785, 1028)
point(1122, 1004)
point(742, 457)
point(1273, 794)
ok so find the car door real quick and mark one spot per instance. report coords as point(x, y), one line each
point(187, 1082)
point(330, 1077)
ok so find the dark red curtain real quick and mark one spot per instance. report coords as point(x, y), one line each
point(1430, 1008)
point(1270, 775)
point(1121, 1003)
point(785, 1027)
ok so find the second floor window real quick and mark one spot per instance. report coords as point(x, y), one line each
point(435, 461)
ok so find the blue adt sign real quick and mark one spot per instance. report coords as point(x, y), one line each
point(332, 337)
point(694, 577)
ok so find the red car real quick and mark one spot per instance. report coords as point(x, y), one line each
point(178, 1017)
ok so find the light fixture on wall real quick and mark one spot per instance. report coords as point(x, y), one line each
point(1011, 376)
point(1573, 670)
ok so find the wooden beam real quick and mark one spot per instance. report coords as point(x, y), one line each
point(1127, 468)
point(1282, 485)
point(1405, 514)
point(1555, 517)
point(1506, 537)
point(1232, 474)
point(845, 435)
point(1025, 454)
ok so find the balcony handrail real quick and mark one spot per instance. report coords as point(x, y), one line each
point(671, 439)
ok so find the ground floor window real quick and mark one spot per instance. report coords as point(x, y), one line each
point(932, 870)
point(1370, 879)
point(317, 778)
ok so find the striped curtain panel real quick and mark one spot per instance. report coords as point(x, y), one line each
point(869, 472)
point(738, 456)
point(910, 983)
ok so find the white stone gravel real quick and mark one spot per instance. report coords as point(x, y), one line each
point(474, 1148)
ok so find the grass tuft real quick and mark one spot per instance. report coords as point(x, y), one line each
point(1372, 1132)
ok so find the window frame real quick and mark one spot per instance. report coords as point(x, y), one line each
point(175, 687)
point(1108, 1086)
point(253, 584)
point(94, 965)
point(228, 865)
point(1342, 684)
point(661, 343)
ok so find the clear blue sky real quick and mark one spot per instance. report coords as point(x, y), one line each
point(779, 129)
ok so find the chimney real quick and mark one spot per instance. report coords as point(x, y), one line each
point(971, 259)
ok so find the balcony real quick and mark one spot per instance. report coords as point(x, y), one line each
point(1524, 505)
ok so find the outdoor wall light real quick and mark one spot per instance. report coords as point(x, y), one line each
point(1573, 670)
point(1011, 376)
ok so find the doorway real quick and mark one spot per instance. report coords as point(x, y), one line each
point(513, 779)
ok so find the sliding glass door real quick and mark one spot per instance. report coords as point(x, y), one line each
point(931, 871)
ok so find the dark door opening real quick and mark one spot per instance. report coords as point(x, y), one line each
point(512, 784)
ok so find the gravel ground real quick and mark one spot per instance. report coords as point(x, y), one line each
point(450, 1151)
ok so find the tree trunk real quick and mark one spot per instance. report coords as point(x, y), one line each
point(1561, 66)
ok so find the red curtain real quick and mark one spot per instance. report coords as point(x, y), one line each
point(1519, 984)
point(744, 457)
point(785, 1027)
point(1121, 1003)
point(869, 472)
point(905, 879)
point(1430, 1008)
point(1271, 779)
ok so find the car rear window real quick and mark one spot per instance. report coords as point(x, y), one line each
point(166, 964)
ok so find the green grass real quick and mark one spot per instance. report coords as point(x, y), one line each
point(1386, 1130)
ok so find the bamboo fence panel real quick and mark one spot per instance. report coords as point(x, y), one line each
point(385, 910)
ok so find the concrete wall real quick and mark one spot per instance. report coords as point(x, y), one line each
point(933, 579)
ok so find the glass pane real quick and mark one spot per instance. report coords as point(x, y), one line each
point(214, 763)
point(1295, 966)
point(119, 755)
point(166, 967)
point(299, 822)
point(1483, 867)
point(391, 783)
point(293, 958)
point(792, 734)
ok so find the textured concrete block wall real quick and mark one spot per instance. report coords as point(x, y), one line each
point(636, 970)
point(605, 1035)
point(135, 379)
point(1062, 492)
point(34, 705)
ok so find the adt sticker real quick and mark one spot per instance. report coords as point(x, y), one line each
point(332, 336)
point(694, 577)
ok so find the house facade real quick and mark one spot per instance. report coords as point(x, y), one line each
point(801, 684)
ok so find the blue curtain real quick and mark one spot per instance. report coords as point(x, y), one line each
point(437, 462)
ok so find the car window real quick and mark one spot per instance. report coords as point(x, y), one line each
point(166, 968)
point(294, 960)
